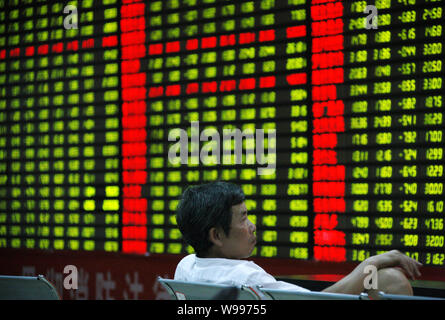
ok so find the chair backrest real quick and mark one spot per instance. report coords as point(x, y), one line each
point(181, 290)
point(276, 294)
point(26, 288)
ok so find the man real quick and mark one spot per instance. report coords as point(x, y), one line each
point(213, 220)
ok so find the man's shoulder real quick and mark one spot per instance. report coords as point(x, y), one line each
point(193, 268)
point(187, 262)
point(188, 258)
point(225, 263)
point(242, 270)
point(184, 267)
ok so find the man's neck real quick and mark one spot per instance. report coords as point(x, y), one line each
point(212, 253)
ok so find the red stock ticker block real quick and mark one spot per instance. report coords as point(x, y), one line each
point(335, 254)
point(134, 107)
point(132, 10)
point(134, 205)
point(227, 40)
point(296, 32)
point(323, 93)
point(192, 44)
point(154, 92)
point(247, 84)
point(132, 94)
point(134, 232)
point(72, 45)
point(208, 42)
point(132, 246)
point(135, 163)
point(134, 177)
point(192, 88)
point(88, 44)
point(134, 218)
point(330, 10)
point(110, 41)
point(246, 37)
point(227, 85)
point(330, 124)
point(329, 173)
point(132, 38)
point(155, 49)
point(133, 52)
point(328, 76)
point(327, 28)
point(325, 221)
point(327, 60)
point(324, 141)
point(173, 90)
point(330, 108)
point(296, 79)
point(42, 49)
point(14, 52)
point(313, 2)
point(29, 51)
point(57, 47)
point(329, 205)
point(321, 156)
point(267, 82)
point(209, 87)
point(134, 149)
point(132, 24)
point(130, 66)
point(132, 191)
point(3, 54)
point(325, 44)
point(134, 135)
point(171, 47)
point(328, 189)
point(329, 238)
point(266, 35)
point(134, 80)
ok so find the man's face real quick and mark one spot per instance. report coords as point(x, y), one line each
point(241, 240)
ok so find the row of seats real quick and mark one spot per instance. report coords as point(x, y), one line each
point(180, 290)
point(38, 288)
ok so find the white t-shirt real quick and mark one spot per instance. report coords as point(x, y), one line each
point(229, 272)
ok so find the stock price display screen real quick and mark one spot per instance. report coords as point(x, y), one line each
point(348, 96)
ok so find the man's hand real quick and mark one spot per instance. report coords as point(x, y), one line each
point(353, 283)
point(395, 258)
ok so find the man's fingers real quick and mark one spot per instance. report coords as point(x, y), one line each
point(409, 265)
point(414, 266)
point(411, 273)
point(417, 265)
point(408, 268)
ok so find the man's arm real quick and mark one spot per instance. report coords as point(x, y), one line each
point(353, 283)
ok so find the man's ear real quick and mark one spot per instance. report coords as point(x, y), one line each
point(215, 236)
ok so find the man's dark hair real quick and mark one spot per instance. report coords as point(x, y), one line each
point(203, 207)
